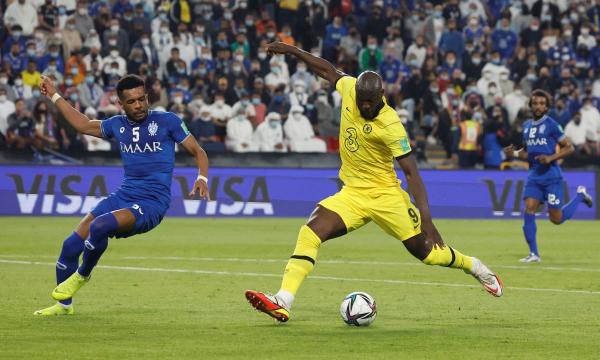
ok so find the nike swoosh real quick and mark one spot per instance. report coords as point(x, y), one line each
point(493, 290)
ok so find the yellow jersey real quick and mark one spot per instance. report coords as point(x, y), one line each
point(368, 147)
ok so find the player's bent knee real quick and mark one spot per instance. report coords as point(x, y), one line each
point(556, 221)
point(104, 225)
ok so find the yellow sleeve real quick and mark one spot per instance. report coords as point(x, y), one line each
point(396, 139)
point(344, 84)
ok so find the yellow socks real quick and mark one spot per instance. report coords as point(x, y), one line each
point(450, 257)
point(302, 261)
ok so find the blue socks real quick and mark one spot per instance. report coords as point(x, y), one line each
point(569, 209)
point(530, 229)
point(101, 229)
point(68, 260)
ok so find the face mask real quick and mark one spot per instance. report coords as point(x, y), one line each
point(202, 71)
point(30, 52)
point(219, 102)
point(275, 70)
point(372, 47)
point(492, 90)
point(568, 33)
point(262, 55)
point(2, 98)
point(52, 68)
point(164, 30)
point(256, 101)
point(74, 71)
point(237, 69)
point(145, 41)
point(54, 54)
point(270, 34)
point(114, 53)
point(451, 62)
point(249, 23)
point(178, 100)
point(228, 16)
point(18, 82)
point(112, 42)
point(206, 56)
point(114, 28)
point(273, 124)
point(434, 89)
point(476, 61)
point(74, 97)
point(299, 89)
point(3, 81)
point(71, 26)
point(69, 82)
point(207, 16)
point(62, 11)
point(585, 31)
point(82, 11)
point(503, 76)
point(301, 69)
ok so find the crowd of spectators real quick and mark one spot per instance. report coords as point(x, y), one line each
point(458, 72)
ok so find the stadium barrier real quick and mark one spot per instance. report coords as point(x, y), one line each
point(261, 192)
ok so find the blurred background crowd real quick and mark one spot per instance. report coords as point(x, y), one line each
point(458, 72)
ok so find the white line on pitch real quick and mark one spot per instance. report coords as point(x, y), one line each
point(252, 274)
point(331, 262)
point(349, 262)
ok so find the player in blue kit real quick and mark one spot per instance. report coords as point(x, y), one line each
point(541, 135)
point(147, 144)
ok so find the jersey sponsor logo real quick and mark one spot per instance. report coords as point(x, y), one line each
point(542, 128)
point(367, 128)
point(136, 148)
point(351, 141)
point(538, 141)
point(152, 128)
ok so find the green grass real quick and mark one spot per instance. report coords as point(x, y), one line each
point(158, 314)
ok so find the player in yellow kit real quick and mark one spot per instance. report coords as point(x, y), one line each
point(371, 137)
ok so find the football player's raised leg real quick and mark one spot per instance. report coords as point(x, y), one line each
point(100, 229)
point(560, 215)
point(423, 248)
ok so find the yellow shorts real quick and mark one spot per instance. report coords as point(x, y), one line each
point(390, 208)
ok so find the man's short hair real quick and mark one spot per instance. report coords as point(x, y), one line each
point(129, 82)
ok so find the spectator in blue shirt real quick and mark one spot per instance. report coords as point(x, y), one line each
point(53, 53)
point(333, 34)
point(504, 39)
point(16, 36)
point(15, 60)
point(452, 40)
point(120, 7)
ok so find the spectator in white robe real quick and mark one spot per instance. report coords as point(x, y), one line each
point(268, 135)
point(300, 134)
point(240, 134)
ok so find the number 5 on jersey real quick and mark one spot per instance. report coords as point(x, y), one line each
point(136, 133)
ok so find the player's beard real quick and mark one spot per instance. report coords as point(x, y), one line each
point(140, 119)
point(370, 115)
point(539, 114)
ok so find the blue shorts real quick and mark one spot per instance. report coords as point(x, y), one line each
point(545, 191)
point(148, 214)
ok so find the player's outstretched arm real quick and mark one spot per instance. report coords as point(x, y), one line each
point(79, 121)
point(201, 183)
point(417, 189)
point(319, 66)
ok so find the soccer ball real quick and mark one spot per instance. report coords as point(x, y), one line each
point(358, 309)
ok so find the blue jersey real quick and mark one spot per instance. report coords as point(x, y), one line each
point(148, 154)
point(541, 137)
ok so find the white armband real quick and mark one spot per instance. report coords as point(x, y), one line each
point(203, 178)
point(516, 153)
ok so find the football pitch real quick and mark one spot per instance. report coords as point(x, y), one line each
point(177, 292)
